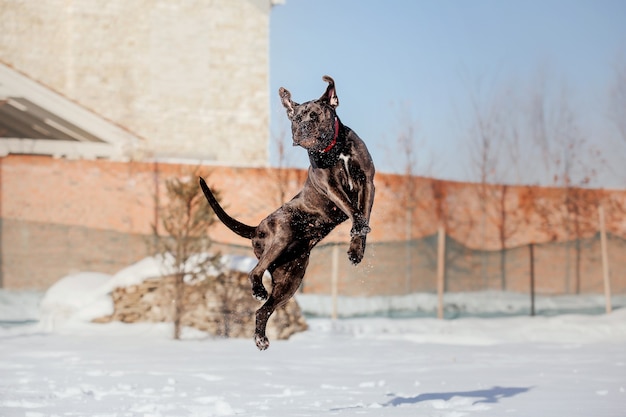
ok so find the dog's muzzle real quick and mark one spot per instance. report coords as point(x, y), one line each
point(307, 142)
point(305, 135)
point(314, 139)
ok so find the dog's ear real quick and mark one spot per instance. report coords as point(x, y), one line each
point(288, 104)
point(330, 96)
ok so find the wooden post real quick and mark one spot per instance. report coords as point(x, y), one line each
point(408, 272)
point(334, 279)
point(441, 260)
point(605, 261)
point(531, 249)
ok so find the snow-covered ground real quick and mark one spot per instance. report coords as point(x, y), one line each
point(54, 362)
point(547, 366)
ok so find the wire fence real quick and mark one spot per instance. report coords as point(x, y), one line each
point(399, 278)
point(395, 277)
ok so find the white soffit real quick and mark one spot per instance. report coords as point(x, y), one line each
point(36, 120)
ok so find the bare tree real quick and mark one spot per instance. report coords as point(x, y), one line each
point(407, 145)
point(617, 114)
point(617, 101)
point(484, 154)
point(185, 220)
point(411, 155)
point(281, 172)
point(508, 221)
point(570, 159)
point(496, 154)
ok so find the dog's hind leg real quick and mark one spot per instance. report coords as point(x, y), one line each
point(273, 237)
point(262, 316)
point(256, 280)
point(269, 255)
point(285, 279)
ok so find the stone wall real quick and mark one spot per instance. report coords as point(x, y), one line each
point(191, 78)
point(222, 306)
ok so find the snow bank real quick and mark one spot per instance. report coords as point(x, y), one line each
point(77, 297)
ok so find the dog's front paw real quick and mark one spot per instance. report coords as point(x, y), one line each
point(259, 292)
point(357, 249)
point(262, 342)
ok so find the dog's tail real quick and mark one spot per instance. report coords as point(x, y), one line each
point(241, 229)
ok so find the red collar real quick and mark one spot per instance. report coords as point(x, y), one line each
point(334, 141)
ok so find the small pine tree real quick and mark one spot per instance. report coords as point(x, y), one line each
point(185, 243)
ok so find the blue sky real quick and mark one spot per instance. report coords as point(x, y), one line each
point(399, 63)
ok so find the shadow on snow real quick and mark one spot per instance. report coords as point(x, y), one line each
point(489, 396)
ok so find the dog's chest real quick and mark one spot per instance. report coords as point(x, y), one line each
point(346, 167)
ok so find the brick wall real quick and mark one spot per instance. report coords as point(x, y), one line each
point(61, 216)
point(190, 77)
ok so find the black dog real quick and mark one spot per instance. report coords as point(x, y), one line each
point(339, 187)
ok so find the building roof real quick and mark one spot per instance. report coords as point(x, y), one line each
point(34, 119)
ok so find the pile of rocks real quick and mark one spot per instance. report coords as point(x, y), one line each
point(222, 306)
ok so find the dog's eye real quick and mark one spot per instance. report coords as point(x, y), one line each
point(314, 117)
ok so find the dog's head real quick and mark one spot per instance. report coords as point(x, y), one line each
point(314, 124)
